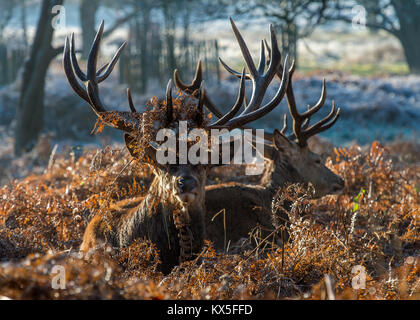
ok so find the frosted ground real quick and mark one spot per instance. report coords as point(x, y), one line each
point(373, 107)
point(383, 109)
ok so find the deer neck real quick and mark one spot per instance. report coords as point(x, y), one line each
point(277, 173)
point(189, 222)
point(182, 224)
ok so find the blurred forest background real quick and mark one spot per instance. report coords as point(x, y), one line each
point(55, 175)
point(368, 50)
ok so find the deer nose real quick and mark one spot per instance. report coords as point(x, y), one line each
point(187, 184)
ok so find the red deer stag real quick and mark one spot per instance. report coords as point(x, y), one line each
point(291, 161)
point(172, 214)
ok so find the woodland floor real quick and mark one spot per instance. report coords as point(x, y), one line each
point(372, 226)
point(47, 198)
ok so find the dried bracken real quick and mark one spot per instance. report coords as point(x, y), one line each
point(373, 227)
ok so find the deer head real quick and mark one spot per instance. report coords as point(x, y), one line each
point(292, 152)
point(183, 182)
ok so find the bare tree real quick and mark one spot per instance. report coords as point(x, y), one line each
point(6, 11)
point(23, 23)
point(293, 19)
point(170, 15)
point(88, 9)
point(30, 110)
point(401, 18)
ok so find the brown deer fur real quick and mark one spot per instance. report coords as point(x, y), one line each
point(165, 216)
point(172, 214)
point(243, 207)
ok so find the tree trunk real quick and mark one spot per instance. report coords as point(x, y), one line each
point(170, 22)
point(144, 47)
point(408, 13)
point(30, 111)
point(289, 40)
point(411, 46)
point(186, 41)
point(23, 23)
point(87, 22)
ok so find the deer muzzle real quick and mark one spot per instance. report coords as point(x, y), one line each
point(187, 188)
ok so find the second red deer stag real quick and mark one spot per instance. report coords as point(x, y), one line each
point(172, 214)
point(246, 206)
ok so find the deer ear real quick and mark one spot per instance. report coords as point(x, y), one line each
point(133, 147)
point(281, 142)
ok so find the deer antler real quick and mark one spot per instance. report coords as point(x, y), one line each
point(260, 82)
point(301, 120)
point(126, 121)
point(301, 130)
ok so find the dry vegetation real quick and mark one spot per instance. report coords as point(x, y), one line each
point(374, 223)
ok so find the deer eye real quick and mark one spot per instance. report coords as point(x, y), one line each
point(318, 161)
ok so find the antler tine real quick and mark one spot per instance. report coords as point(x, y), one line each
point(329, 125)
point(323, 124)
point(261, 65)
point(284, 129)
point(244, 49)
point(92, 74)
point(301, 132)
point(74, 62)
point(301, 121)
point(91, 79)
point(93, 53)
point(110, 66)
point(70, 73)
point(195, 84)
point(260, 81)
point(292, 67)
point(234, 72)
point(130, 101)
point(268, 50)
point(320, 102)
point(248, 76)
point(279, 72)
point(102, 69)
point(239, 101)
point(269, 136)
point(93, 91)
point(245, 118)
point(304, 125)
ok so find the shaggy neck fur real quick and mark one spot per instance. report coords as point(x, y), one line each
point(177, 229)
point(277, 172)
